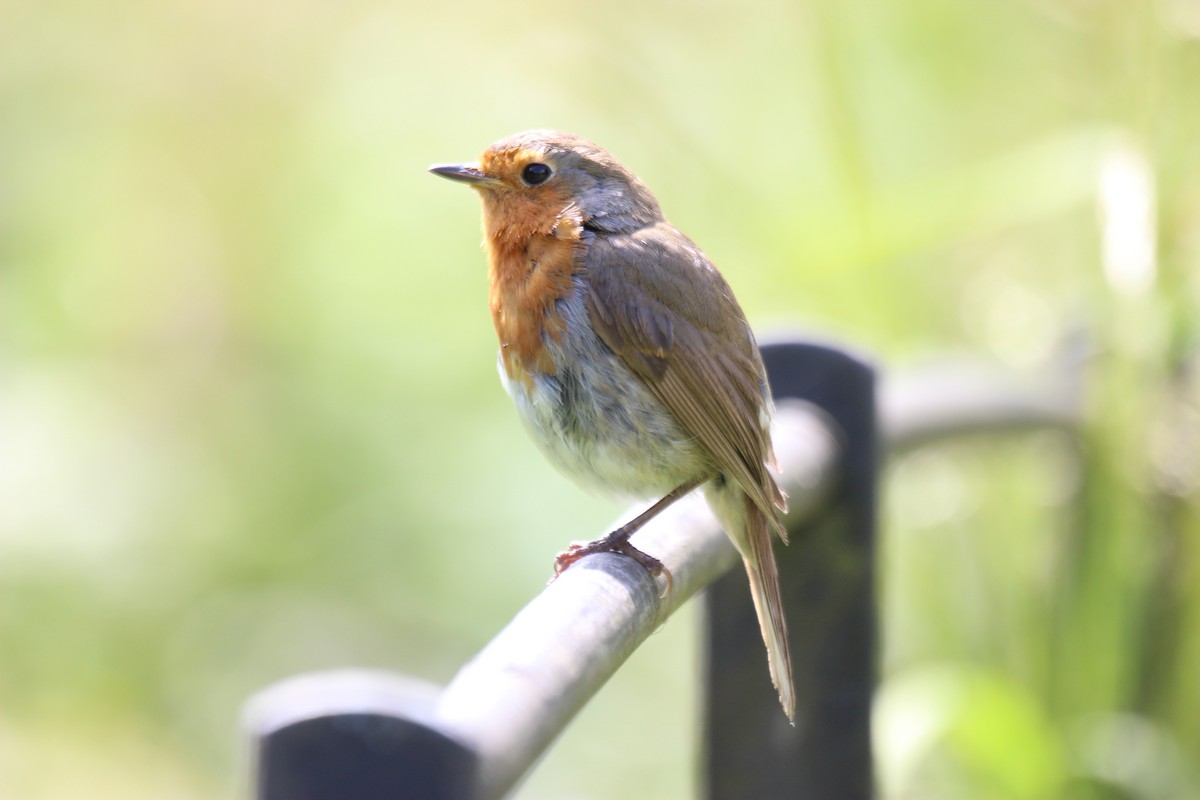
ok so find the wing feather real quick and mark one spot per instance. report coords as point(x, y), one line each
point(686, 337)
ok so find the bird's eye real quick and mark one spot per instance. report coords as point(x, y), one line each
point(536, 173)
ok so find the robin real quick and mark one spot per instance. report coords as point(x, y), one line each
point(627, 356)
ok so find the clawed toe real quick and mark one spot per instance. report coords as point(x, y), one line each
point(610, 544)
point(568, 557)
point(652, 564)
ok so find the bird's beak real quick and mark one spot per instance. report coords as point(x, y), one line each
point(466, 173)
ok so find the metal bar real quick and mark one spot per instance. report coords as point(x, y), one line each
point(919, 407)
point(827, 577)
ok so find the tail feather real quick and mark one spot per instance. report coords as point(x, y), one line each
point(764, 589)
point(749, 527)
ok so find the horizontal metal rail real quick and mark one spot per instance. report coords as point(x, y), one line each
point(949, 400)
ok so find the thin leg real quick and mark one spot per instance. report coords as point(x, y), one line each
point(618, 540)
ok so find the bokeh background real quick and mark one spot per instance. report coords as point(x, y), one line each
point(250, 423)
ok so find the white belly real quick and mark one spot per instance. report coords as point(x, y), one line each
point(598, 423)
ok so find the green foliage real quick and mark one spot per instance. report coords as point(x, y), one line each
point(250, 425)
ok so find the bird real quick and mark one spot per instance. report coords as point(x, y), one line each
point(627, 356)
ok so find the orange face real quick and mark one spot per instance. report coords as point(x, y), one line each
point(523, 195)
point(531, 231)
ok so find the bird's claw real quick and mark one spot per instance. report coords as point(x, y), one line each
point(576, 551)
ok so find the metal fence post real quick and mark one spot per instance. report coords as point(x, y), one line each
point(827, 576)
point(354, 735)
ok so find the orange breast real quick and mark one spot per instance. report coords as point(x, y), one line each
point(532, 258)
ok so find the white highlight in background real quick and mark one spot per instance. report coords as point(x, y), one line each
point(1127, 220)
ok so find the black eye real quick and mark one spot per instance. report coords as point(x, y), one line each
point(536, 173)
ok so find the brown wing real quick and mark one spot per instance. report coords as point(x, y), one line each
point(687, 338)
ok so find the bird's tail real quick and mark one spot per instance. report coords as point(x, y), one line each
point(753, 541)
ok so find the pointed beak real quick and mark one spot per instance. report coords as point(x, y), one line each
point(466, 173)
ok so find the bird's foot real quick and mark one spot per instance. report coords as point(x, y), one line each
point(615, 542)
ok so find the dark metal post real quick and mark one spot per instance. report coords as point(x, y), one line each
point(353, 735)
point(827, 575)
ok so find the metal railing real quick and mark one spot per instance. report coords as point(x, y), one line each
point(358, 735)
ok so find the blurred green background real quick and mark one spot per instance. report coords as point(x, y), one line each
point(250, 423)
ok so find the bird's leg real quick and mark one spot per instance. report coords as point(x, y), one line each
point(618, 540)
